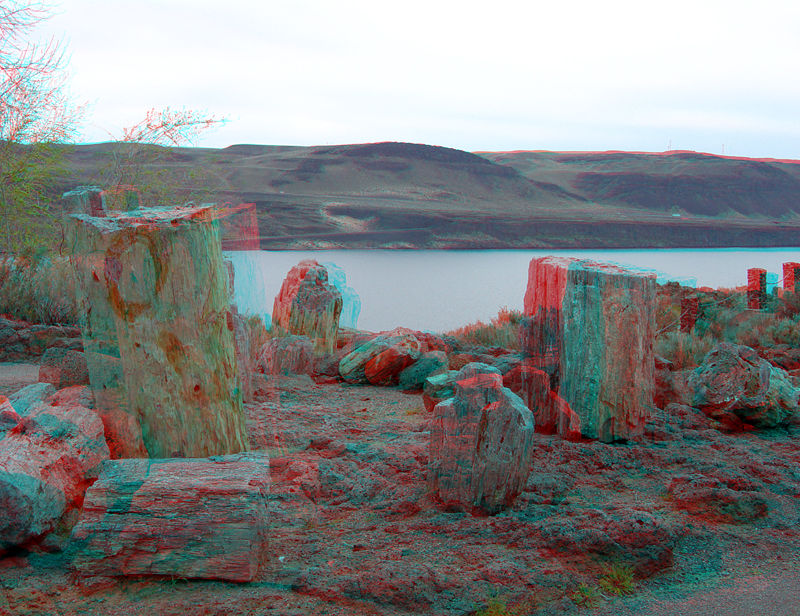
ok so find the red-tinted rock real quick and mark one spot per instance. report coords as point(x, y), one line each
point(44, 469)
point(307, 305)
point(287, 355)
point(591, 330)
point(735, 379)
point(191, 518)
point(403, 350)
point(480, 448)
point(63, 368)
point(386, 366)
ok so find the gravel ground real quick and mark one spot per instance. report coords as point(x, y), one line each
point(14, 377)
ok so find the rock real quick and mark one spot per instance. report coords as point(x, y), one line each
point(429, 364)
point(190, 518)
point(386, 366)
point(551, 413)
point(30, 396)
point(44, 470)
point(735, 379)
point(9, 418)
point(243, 353)
point(437, 388)
point(590, 327)
point(63, 368)
point(153, 291)
point(481, 443)
point(287, 355)
point(709, 498)
point(307, 305)
point(403, 349)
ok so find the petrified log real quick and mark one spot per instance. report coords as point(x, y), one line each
point(591, 329)
point(480, 447)
point(381, 359)
point(153, 290)
point(44, 463)
point(85, 200)
point(307, 305)
point(190, 518)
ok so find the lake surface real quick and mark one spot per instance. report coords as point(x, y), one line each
point(439, 290)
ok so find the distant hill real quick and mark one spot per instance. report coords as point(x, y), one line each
point(406, 195)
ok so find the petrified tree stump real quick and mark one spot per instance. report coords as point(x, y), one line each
point(591, 329)
point(191, 518)
point(480, 447)
point(791, 277)
point(307, 305)
point(159, 332)
point(756, 288)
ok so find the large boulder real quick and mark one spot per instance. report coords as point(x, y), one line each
point(480, 447)
point(734, 379)
point(287, 355)
point(45, 467)
point(63, 368)
point(189, 518)
point(307, 305)
point(381, 359)
point(30, 396)
point(590, 327)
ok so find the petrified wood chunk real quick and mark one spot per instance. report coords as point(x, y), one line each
point(153, 290)
point(591, 329)
point(287, 355)
point(191, 518)
point(307, 305)
point(480, 448)
point(381, 359)
point(44, 462)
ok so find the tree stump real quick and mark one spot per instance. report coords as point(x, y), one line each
point(591, 329)
point(158, 331)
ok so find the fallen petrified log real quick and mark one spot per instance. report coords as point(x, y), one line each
point(381, 360)
point(45, 460)
point(480, 447)
point(591, 330)
point(190, 518)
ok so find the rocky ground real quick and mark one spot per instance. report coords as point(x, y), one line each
point(354, 529)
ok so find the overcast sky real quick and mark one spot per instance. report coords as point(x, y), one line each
point(501, 75)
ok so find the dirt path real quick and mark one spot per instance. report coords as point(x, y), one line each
point(14, 377)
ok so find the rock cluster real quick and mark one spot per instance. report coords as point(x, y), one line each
point(734, 379)
point(22, 341)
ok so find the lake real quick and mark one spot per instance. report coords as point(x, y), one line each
point(439, 290)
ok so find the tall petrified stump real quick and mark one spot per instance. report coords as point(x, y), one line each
point(307, 305)
point(591, 329)
point(153, 289)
